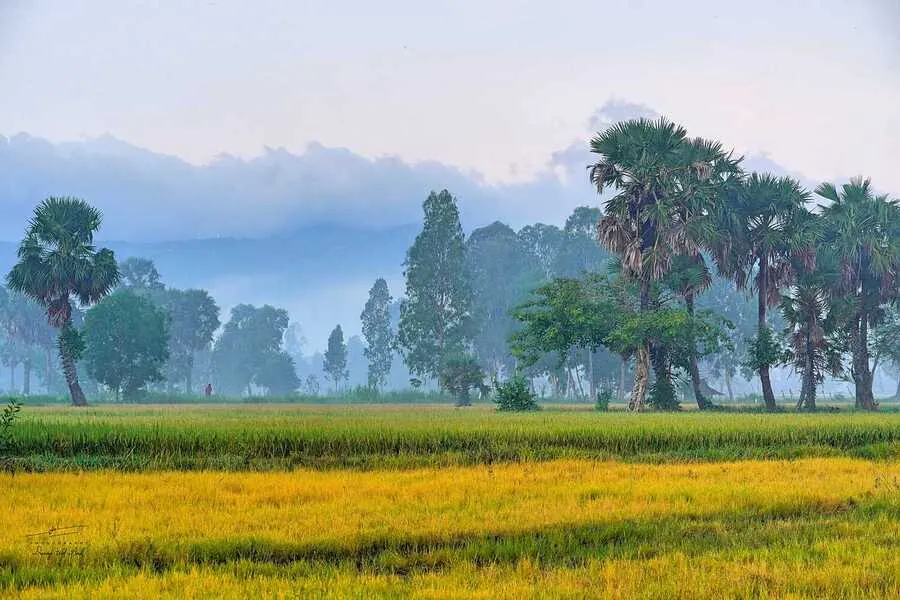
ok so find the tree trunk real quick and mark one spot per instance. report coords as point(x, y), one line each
point(808, 393)
point(12, 378)
point(862, 376)
point(26, 377)
point(641, 379)
point(67, 358)
point(897, 395)
point(591, 379)
point(620, 392)
point(764, 379)
point(48, 366)
point(728, 386)
point(702, 403)
point(642, 360)
point(189, 378)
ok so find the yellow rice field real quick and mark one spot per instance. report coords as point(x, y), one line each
point(573, 528)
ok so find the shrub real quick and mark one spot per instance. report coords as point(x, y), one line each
point(515, 395)
point(7, 418)
point(604, 398)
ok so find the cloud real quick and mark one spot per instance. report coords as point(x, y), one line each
point(147, 196)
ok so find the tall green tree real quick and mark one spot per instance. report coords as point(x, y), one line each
point(376, 329)
point(140, 275)
point(502, 272)
point(435, 316)
point(663, 183)
point(28, 335)
point(125, 339)
point(335, 360)
point(57, 261)
point(862, 231)
point(278, 374)
point(765, 232)
point(193, 319)
point(244, 349)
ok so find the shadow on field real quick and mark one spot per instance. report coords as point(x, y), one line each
point(798, 532)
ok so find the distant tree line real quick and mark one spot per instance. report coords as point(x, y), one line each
point(692, 269)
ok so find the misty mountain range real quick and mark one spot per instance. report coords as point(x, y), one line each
point(308, 232)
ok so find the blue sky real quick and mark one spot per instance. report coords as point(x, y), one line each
point(494, 87)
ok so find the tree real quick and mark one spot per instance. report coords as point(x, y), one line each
point(689, 278)
point(765, 232)
point(376, 329)
point(812, 351)
point(459, 375)
point(57, 261)
point(886, 343)
point(28, 335)
point(278, 374)
point(139, 275)
point(248, 341)
point(335, 362)
point(569, 314)
point(193, 319)
point(125, 342)
point(501, 273)
point(862, 232)
point(664, 183)
point(436, 313)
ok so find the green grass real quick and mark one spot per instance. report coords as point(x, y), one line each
point(265, 437)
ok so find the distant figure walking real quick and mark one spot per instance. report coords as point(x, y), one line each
point(208, 390)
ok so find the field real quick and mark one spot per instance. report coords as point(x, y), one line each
point(299, 501)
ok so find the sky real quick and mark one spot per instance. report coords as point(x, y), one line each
point(492, 88)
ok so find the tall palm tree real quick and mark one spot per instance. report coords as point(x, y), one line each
point(57, 261)
point(811, 349)
point(763, 232)
point(664, 183)
point(862, 230)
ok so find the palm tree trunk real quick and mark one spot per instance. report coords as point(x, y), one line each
point(702, 403)
point(862, 376)
point(67, 358)
point(642, 359)
point(808, 386)
point(764, 379)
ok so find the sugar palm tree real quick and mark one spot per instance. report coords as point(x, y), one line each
point(812, 350)
point(57, 262)
point(664, 182)
point(763, 233)
point(863, 232)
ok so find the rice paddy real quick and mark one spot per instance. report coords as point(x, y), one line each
point(300, 501)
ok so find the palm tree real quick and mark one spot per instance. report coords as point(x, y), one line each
point(862, 230)
point(56, 262)
point(664, 183)
point(812, 350)
point(689, 278)
point(763, 233)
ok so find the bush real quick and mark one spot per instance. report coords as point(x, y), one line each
point(604, 398)
point(515, 395)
